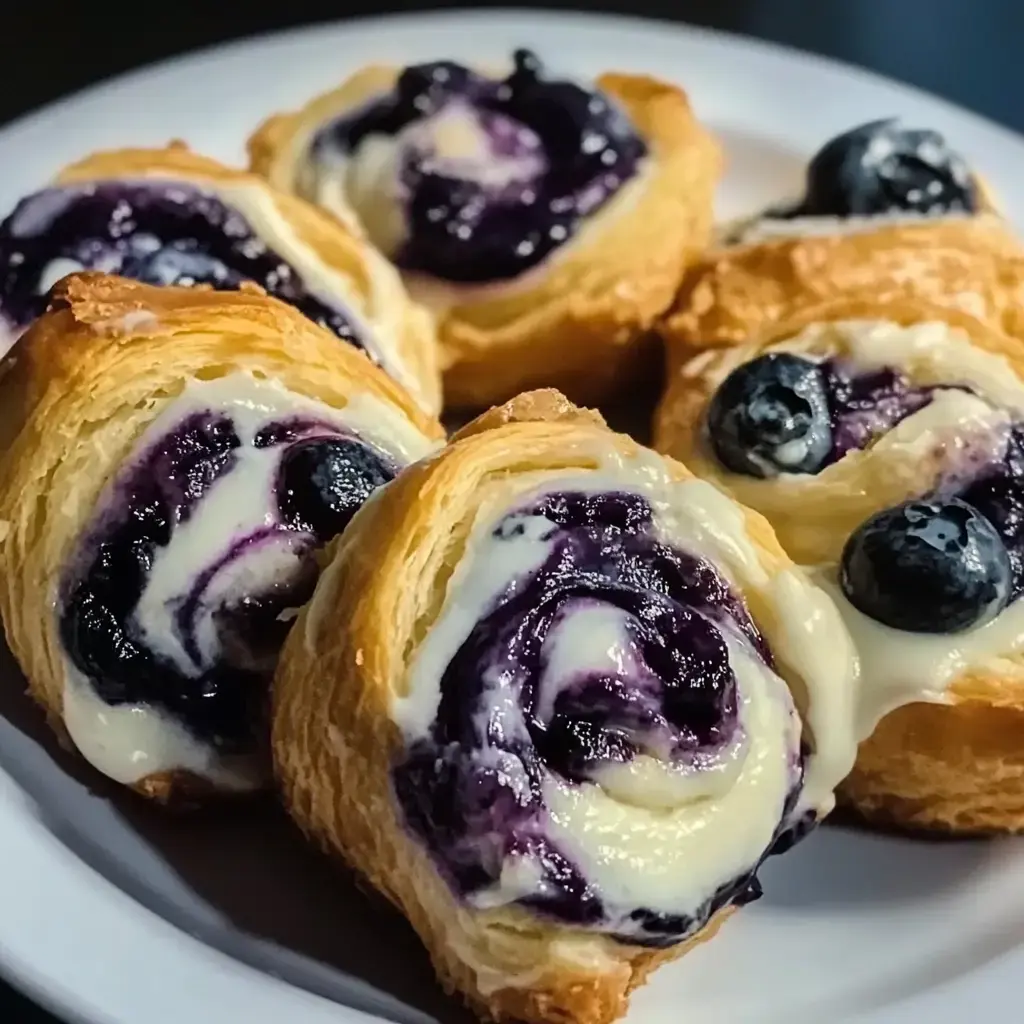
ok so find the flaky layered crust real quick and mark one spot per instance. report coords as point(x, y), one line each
point(349, 656)
point(580, 320)
point(975, 265)
point(956, 766)
point(359, 272)
point(85, 382)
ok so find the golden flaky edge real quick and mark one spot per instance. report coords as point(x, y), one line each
point(83, 384)
point(974, 264)
point(348, 656)
point(956, 767)
point(581, 320)
point(369, 281)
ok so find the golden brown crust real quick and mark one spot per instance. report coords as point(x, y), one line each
point(85, 381)
point(334, 738)
point(953, 767)
point(405, 332)
point(580, 321)
point(972, 264)
point(948, 767)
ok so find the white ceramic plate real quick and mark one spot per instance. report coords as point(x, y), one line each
point(113, 913)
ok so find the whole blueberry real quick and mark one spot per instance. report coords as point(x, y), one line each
point(880, 168)
point(927, 567)
point(771, 416)
point(324, 482)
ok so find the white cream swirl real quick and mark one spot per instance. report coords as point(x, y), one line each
point(662, 835)
point(228, 545)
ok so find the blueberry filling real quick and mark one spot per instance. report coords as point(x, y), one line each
point(202, 651)
point(561, 152)
point(781, 413)
point(880, 168)
point(473, 788)
point(161, 232)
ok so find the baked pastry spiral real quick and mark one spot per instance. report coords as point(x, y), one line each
point(182, 453)
point(887, 213)
point(884, 443)
point(545, 698)
point(546, 222)
point(169, 216)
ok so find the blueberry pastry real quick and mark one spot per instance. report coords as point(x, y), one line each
point(183, 454)
point(547, 222)
point(171, 217)
point(558, 700)
point(885, 444)
point(887, 211)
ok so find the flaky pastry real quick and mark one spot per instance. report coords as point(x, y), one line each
point(557, 700)
point(547, 224)
point(178, 456)
point(169, 216)
point(888, 213)
point(881, 441)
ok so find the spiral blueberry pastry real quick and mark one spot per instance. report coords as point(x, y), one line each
point(887, 211)
point(171, 217)
point(558, 700)
point(547, 222)
point(183, 455)
point(885, 444)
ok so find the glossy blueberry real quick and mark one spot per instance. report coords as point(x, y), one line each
point(927, 567)
point(324, 482)
point(880, 168)
point(161, 232)
point(771, 416)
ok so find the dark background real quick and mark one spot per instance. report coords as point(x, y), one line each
point(968, 51)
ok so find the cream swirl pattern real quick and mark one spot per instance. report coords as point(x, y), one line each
point(610, 744)
point(178, 597)
point(473, 179)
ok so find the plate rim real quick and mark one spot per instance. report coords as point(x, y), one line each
point(37, 867)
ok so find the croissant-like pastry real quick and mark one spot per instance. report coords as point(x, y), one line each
point(180, 455)
point(885, 443)
point(888, 213)
point(169, 216)
point(545, 699)
point(547, 223)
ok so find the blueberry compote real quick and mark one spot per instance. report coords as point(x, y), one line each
point(781, 413)
point(882, 168)
point(524, 707)
point(531, 158)
point(158, 231)
point(177, 598)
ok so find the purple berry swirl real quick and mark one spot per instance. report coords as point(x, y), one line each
point(160, 231)
point(596, 730)
point(181, 589)
point(484, 177)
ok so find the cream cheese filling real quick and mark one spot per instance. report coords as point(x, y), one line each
point(953, 436)
point(132, 741)
point(668, 849)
